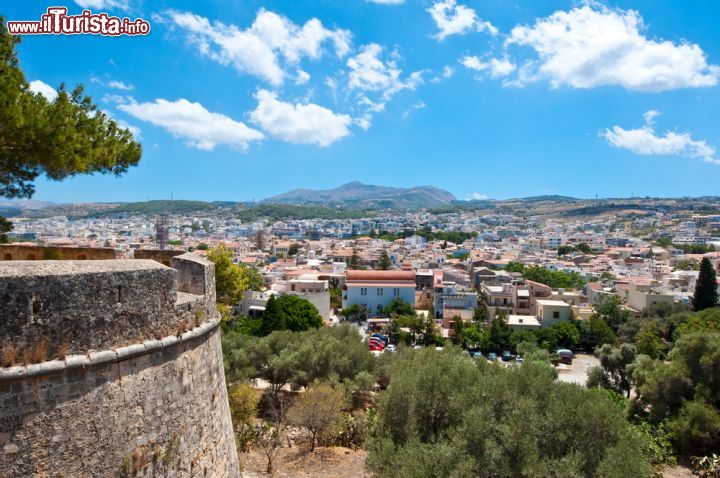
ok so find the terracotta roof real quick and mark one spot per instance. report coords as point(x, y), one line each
point(381, 276)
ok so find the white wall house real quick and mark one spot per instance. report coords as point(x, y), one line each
point(552, 311)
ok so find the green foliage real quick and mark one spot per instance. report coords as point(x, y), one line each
point(385, 263)
point(289, 312)
point(648, 341)
point(317, 410)
point(610, 309)
point(293, 249)
point(159, 206)
point(231, 279)
point(564, 334)
point(354, 261)
point(59, 139)
point(399, 307)
point(5, 227)
point(285, 212)
point(687, 265)
point(695, 430)
point(456, 237)
point(514, 266)
point(243, 401)
point(707, 466)
point(616, 367)
point(584, 248)
point(297, 358)
point(444, 415)
point(684, 392)
point(706, 295)
point(354, 313)
point(500, 333)
point(565, 250)
point(706, 321)
point(554, 279)
point(595, 332)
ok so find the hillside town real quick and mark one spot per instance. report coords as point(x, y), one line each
point(448, 263)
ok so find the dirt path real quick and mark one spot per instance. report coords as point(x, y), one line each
point(298, 462)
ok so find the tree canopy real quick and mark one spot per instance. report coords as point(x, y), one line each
point(445, 415)
point(289, 312)
point(231, 279)
point(706, 294)
point(57, 138)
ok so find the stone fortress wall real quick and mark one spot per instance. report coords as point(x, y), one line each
point(117, 370)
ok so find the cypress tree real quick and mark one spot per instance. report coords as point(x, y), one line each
point(385, 262)
point(706, 295)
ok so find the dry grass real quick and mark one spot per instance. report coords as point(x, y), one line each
point(62, 350)
point(199, 317)
point(39, 351)
point(183, 327)
point(9, 355)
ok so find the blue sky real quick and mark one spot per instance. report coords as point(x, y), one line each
point(241, 100)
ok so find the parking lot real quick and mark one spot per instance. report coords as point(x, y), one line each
point(577, 372)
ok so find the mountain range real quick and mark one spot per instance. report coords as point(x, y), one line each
point(358, 195)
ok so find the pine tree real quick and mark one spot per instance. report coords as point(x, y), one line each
point(58, 139)
point(706, 295)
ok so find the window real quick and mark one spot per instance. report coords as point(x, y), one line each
point(363, 291)
point(379, 291)
point(396, 292)
point(556, 315)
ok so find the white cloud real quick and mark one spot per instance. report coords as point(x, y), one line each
point(646, 141)
point(447, 73)
point(37, 86)
point(650, 116)
point(132, 128)
point(476, 197)
point(368, 72)
point(299, 123)
point(454, 19)
point(104, 4)
point(497, 68)
point(264, 49)
point(302, 77)
point(387, 2)
point(119, 85)
point(594, 45)
point(201, 128)
point(417, 106)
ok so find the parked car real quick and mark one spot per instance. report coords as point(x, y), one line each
point(439, 349)
point(506, 355)
point(492, 357)
point(519, 359)
point(476, 354)
point(566, 356)
point(390, 348)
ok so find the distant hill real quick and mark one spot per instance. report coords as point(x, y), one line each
point(366, 196)
point(549, 198)
point(161, 207)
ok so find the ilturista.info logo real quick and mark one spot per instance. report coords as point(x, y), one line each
point(57, 22)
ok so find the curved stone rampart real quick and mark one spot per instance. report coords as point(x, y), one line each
point(142, 393)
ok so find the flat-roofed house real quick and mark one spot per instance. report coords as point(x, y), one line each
point(552, 311)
